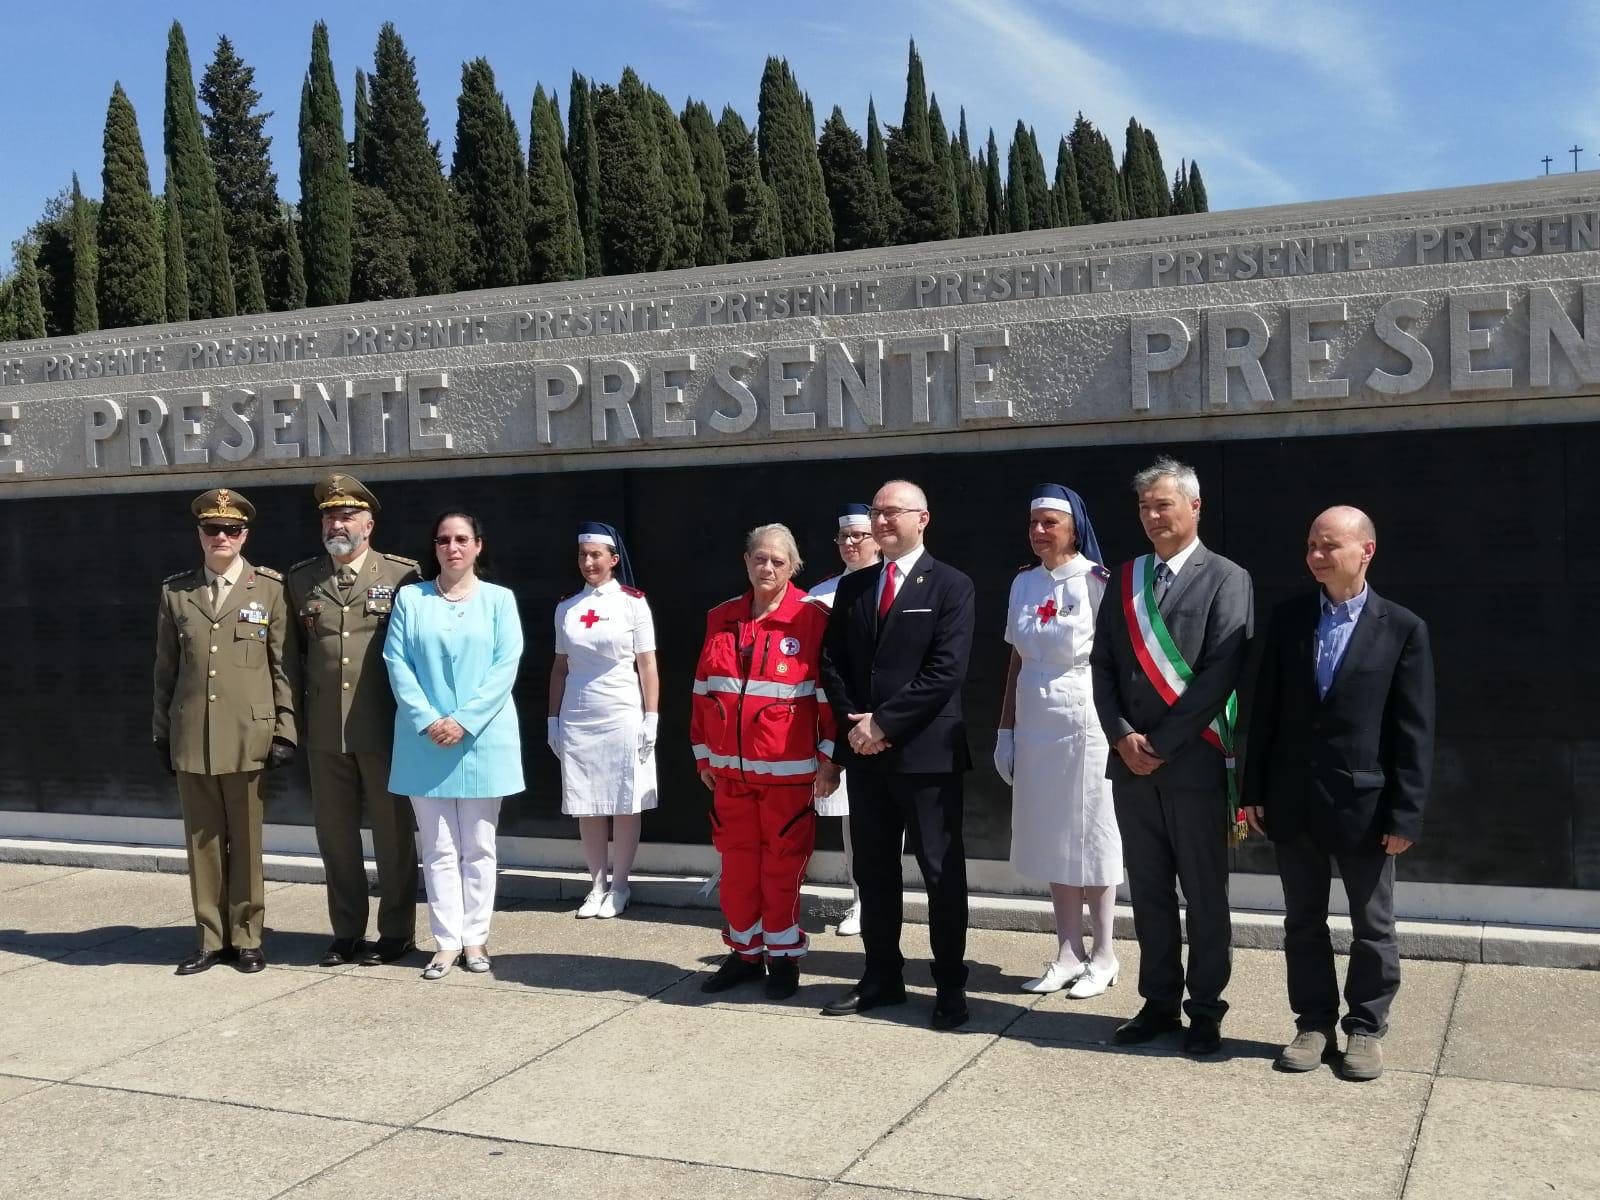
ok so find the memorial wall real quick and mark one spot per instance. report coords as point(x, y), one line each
point(1433, 358)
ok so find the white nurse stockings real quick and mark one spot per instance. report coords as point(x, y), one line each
point(619, 835)
point(1068, 902)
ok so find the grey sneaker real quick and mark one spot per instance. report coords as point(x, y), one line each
point(1309, 1048)
point(1363, 1057)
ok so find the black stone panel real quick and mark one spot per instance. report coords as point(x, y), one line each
point(1486, 533)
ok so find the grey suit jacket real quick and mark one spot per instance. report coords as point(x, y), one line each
point(1210, 612)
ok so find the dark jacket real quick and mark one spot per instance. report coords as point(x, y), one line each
point(1354, 765)
point(909, 674)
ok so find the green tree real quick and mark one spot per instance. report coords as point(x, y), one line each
point(1197, 190)
point(994, 191)
point(292, 284)
point(1069, 208)
point(325, 204)
point(711, 167)
point(1180, 190)
point(51, 239)
point(1158, 174)
point(878, 164)
point(918, 191)
point(487, 174)
point(1097, 172)
point(555, 244)
point(857, 223)
point(176, 285)
point(756, 226)
point(382, 253)
point(685, 198)
point(130, 283)
point(635, 222)
point(406, 165)
point(27, 306)
point(1139, 183)
point(361, 146)
point(240, 153)
point(224, 303)
point(85, 309)
point(974, 203)
point(1041, 208)
point(583, 163)
point(252, 292)
point(786, 143)
point(949, 214)
point(1018, 214)
point(195, 181)
point(914, 121)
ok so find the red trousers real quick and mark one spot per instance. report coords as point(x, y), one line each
point(765, 836)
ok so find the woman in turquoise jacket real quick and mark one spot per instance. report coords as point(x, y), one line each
point(453, 648)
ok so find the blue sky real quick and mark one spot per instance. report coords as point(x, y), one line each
point(1280, 100)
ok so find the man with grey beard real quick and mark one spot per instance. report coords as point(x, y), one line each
point(341, 602)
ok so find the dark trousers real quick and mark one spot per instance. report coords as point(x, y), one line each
point(1176, 835)
point(339, 785)
point(1373, 976)
point(922, 811)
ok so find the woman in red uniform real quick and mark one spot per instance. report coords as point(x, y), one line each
point(763, 742)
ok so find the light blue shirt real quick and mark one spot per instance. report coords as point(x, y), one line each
point(1335, 624)
point(459, 661)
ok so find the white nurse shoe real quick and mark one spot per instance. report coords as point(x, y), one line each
point(615, 901)
point(591, 903)
point(850, 923)
point(1095, 980)
point(1057, 975)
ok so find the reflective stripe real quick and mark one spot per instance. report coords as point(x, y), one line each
point(825, 748)
point(714, 759)
point(794, 943)
point(781, 767)
point(743, 937)
point(822, 696)
point(765, 688)
point(716, 683)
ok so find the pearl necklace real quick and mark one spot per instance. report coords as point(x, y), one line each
point(449, 599)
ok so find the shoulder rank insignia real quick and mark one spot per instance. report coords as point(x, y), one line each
point(1100, 573)
point(269, 573)
point(1026, 567)
point(401, 559)
point(631, 591)
point(177, 575)
point(306, 562)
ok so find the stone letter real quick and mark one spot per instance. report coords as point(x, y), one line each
point(866, 389)
point(723, 373)
point(603, 399)
point(1464, 339)
point(1546, 319)
point(781, 385)
point(236, 420)
point(1247, 358)
point(419, 412)
point(972, 374)
point(555, 389)
point(1146, 362)
point(1304, 350)
point(274, 419)
point(146, 416)
point(328, 414)
point(187, 449)
point(9, 466)
point(101, 420)
point(1387, 327)
point(917, 350)
point(664, 394)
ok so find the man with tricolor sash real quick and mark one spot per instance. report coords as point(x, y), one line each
point(1167, 657)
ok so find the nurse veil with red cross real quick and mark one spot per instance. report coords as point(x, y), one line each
point(604, 701)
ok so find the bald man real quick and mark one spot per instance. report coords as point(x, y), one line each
point(1337, 768)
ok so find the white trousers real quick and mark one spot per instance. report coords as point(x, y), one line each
point(456, 838)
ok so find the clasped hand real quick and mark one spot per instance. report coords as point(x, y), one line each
point(446, 731)
point(866, 736)
point(1139, 755)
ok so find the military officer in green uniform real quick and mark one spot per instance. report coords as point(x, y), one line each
point(225, 683)
point(341, 601)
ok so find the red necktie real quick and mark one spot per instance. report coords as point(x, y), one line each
point(886, 601)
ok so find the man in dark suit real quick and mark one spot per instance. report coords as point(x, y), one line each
point(1162, 686)
point(1340, 751)
point(893, 665)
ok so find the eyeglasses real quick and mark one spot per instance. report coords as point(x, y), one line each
point(852, 538)
point(460, 539)
point(227, 531)
point(891, 514)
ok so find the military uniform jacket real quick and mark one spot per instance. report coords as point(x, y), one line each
point(347, 707)
point(224, 681)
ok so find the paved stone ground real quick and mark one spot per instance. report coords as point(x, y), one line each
point(590, 1065)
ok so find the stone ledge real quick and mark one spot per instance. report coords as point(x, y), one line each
point(1442, 941)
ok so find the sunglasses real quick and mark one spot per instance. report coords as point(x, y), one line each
point(460, 539)
point(227, 531)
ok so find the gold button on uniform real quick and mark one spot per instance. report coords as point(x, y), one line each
point(345, 685)
point(213, 649)
point(345, 661)
point(211, 699)
point(346, 633)
point(218, 625)
point(212, 672)
point(346, 608)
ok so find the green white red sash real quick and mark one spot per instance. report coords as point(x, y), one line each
point(1170, 675)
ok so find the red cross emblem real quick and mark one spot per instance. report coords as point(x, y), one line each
point(589, 618)
point(1047, 611)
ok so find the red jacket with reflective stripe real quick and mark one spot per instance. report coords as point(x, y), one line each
point(760, 715)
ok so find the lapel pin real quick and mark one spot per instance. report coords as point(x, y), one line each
point(919, 578)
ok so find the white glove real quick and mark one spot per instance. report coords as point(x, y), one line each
point(1005, 753)
point(647, 734)
point(552, 734)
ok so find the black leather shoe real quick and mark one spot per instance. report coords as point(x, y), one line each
point(387, 950)
point(339, 952)
point(1149, 1024)
point(1204, 1036)
point(950, 1010)
point(203, 961)
point(862, 998)
point(733, 971)
point(783, 978)
point(250, 961)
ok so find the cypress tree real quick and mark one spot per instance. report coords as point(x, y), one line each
point(292, 291)
point(583, 162)
point(85, 311)
point(1097, 172)
point(130, 279)
point(1041, 207)
point(974, 204)
point(555, 246)
point(685, 198)
point(382, 268)
point(711, 167)
point(176, 285)
point(361, 147)
point(1158, 174)
point(27, 306)
point(325, 205)
point(252, 293)
point(240, 152)
point(1197, 190)
point(53, 261)
point(219, 282)
point(857, 223)
point(756, 226)
point(406, 165)
point(8, 317)
point(194, 178)
point(786, 142)
point(994, 191)
point(634, 220)
point(574, 228)
point(918, 188)
point(1180, 189)
point(487, 175)
point(1140, 183)
point(949, 214)
point(878, 164)
point(914, 121)
point(1018, 214)
point(1069, 208)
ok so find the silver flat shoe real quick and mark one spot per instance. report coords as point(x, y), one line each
point(437, 970)
point(478, 964)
